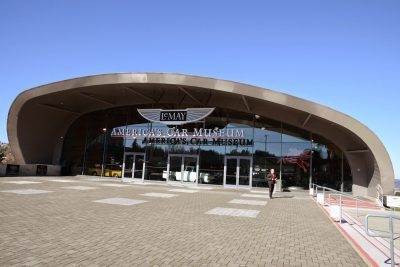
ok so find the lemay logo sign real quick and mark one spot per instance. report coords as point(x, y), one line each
point(177, 116)
point(182, 136)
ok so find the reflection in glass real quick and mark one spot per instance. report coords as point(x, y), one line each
point(259, 169)
point(295, 149)
point(211, 165)
point(267, 135)
point(239, 150)
point(128, 166)
point(189, 169)
point(86, 148)
point(231, 169)
point(139, 165)
point(156, 165)
point(134, 145)
point(175, 168)
point(267, 149)
point(244, 171)
point(296, 164)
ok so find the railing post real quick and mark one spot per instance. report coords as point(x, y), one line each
point(329, 201)
point(391, 241)
point(340, 208)
point(390, 235)
point(357, 207)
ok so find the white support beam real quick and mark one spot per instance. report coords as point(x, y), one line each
point(97, 98)
point(245, 103)
point(134, 91)
point(60, 108)
point(208, 98)
point(358, 151)
point(189, 95)
point(306, 120)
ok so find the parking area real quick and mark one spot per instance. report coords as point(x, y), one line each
point(84, 221)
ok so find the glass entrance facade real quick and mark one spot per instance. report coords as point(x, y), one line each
point(226, 148)
point(182, 168)
point(238, 171)
point(133, 165)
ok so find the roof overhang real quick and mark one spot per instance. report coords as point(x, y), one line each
point(39, 118)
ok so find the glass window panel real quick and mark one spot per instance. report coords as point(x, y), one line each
point(231, 170)
point(259, 169)
point(94, 155)
point(267, 135)
point(135, 145)
point(189, 169)
point(273, 163)
point(184, 149)
point(139, 164)
point(296, 164)
point(129, 160)
point(295, 149)
point(239, 150)
point(175, 168)
point(238, 125)
point(294, 134)
point(267, 149)
point(291, 138)
point(156, 162)
point(211, 164)
point(261, 166)
point(244, 171)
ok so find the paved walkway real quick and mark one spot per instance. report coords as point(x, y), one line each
point(377, 225)
point(74, 222)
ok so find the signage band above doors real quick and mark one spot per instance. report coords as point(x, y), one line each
point(175, 116)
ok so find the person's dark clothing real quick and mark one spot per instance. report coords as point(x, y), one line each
point(271, 179)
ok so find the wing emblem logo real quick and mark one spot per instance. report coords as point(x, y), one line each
point(175, 116)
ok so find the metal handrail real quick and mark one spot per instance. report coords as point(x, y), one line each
point(337, 193)
point(324, 188)
point(340, 203)
point(391, 217)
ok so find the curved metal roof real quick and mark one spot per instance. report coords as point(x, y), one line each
point(40, 117)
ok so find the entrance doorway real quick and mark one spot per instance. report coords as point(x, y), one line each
point(133, 166)
point(183, 168)
point(238, 171)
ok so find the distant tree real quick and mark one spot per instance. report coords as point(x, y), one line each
point(2, 152)
point(5, 154)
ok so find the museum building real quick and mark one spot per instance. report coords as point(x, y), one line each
point(174, 128)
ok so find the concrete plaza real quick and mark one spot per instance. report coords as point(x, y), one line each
point(81, 221)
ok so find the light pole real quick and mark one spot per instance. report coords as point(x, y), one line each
point(311, 164)
point(341, 182)
point(104, 150)
point(266, 140)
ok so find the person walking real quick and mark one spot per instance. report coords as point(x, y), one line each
point(271, 179)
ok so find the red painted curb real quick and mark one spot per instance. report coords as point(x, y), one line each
point(350, 238)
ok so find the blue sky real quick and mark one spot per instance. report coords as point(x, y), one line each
point(344, 53)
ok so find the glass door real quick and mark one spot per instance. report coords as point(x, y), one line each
point(183, 168)
point(138, 166)
point(127, 166)
point(175, 168)
point(133, 166)
point(237, 171)
point(189, 169)
point(231, 170)
point(244, 171)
